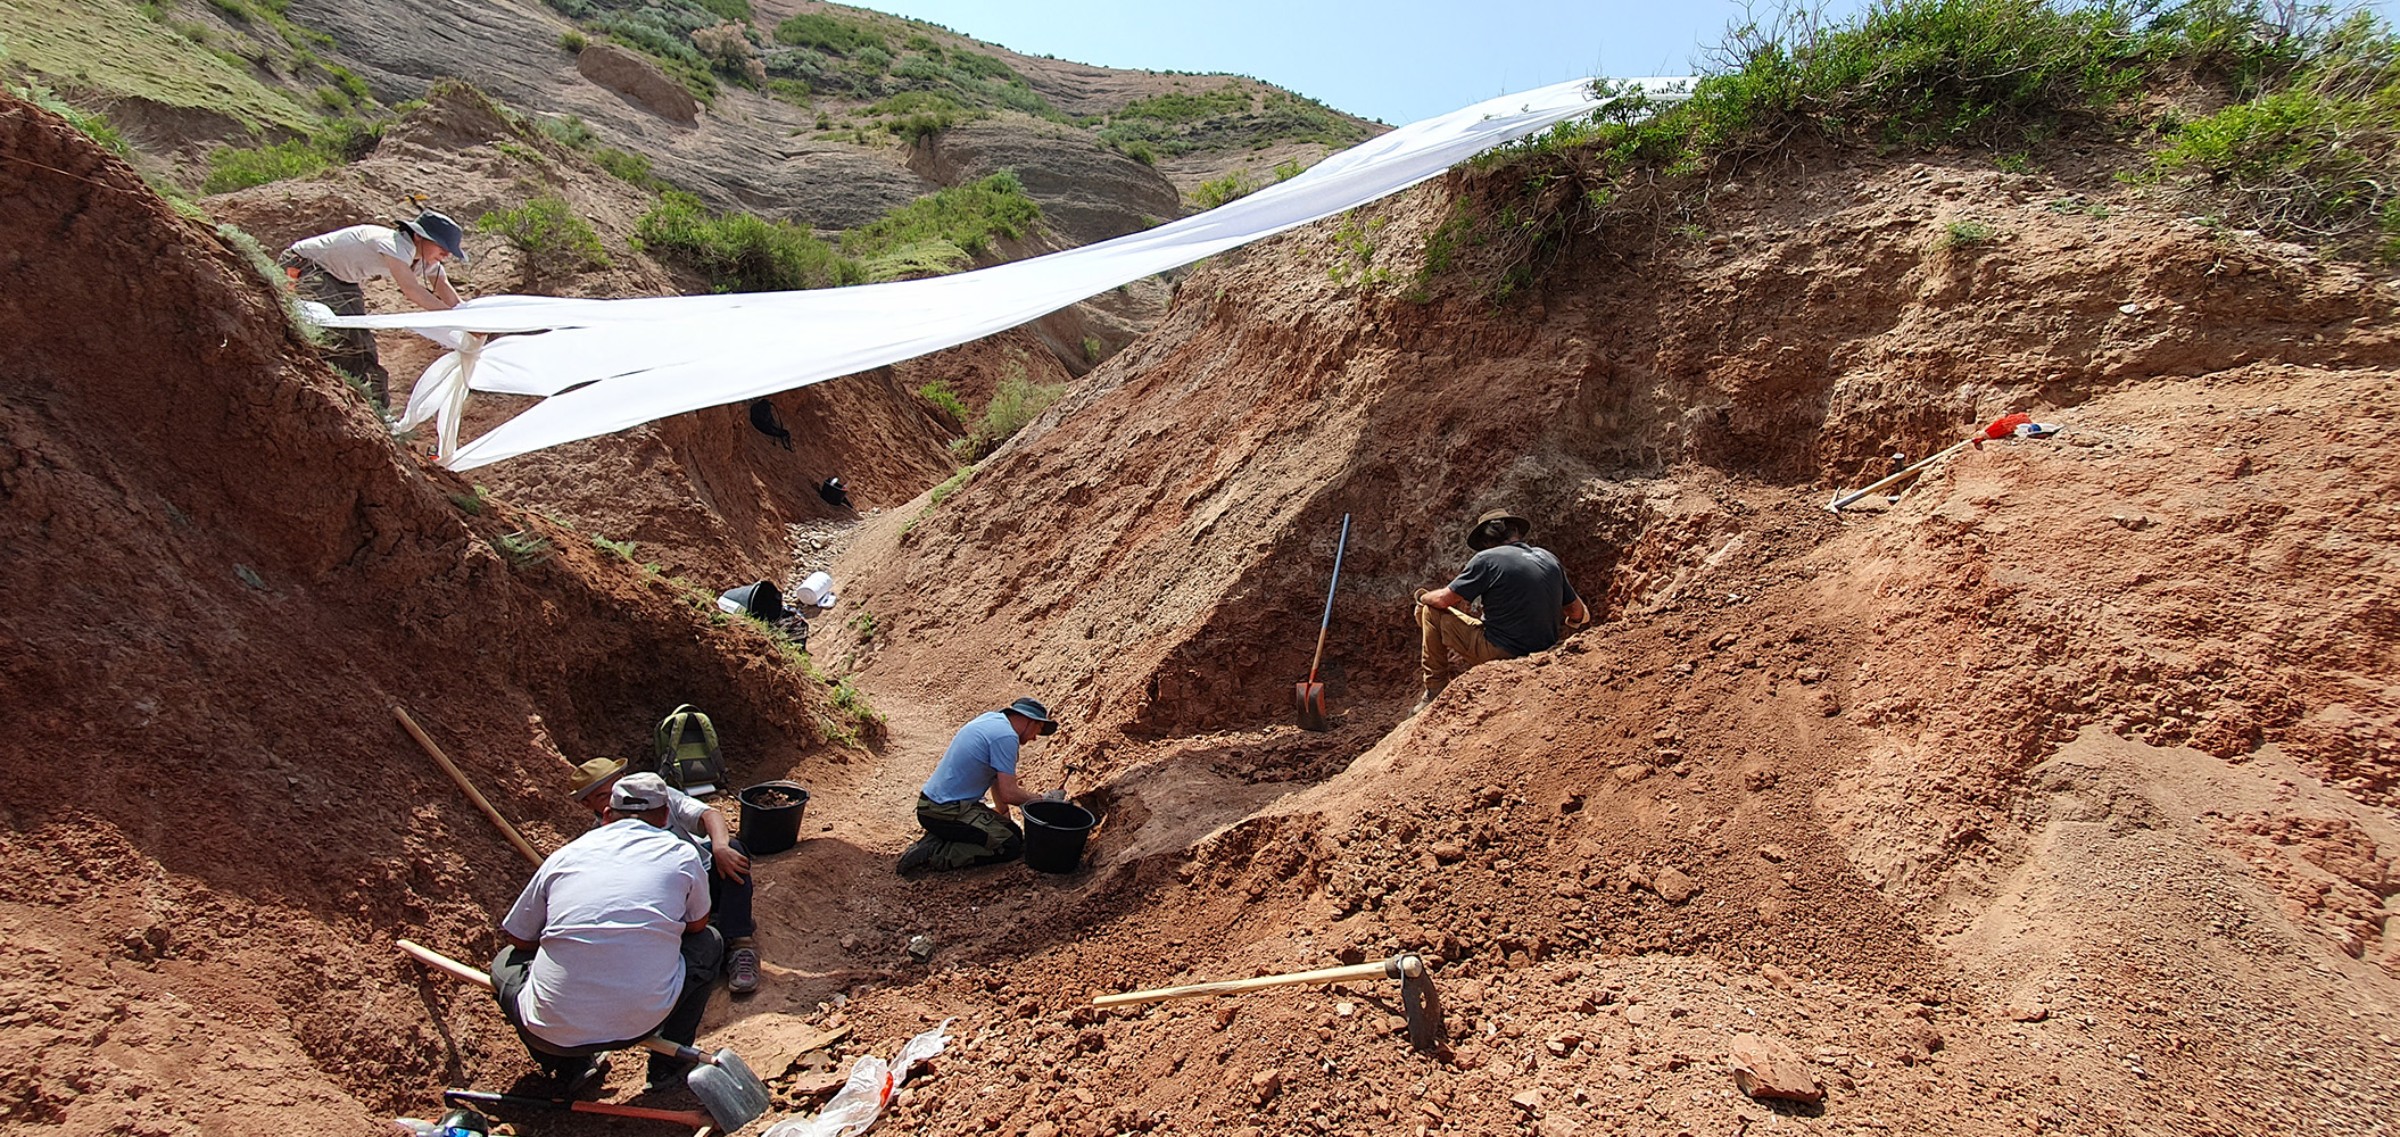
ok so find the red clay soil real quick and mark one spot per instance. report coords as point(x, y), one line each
point(2057, 797)
point(222, 578)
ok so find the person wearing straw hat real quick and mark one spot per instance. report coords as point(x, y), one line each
point(329, 268)
point(1527, 603)
point(609, 943)
point(704, 825)
point(960, 830)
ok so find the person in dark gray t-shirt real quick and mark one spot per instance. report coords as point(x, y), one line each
point(1527, 602)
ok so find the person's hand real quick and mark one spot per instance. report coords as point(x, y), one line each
point(731, 864)
point(1053, 795)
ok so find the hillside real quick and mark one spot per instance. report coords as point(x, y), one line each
point(2054, 793)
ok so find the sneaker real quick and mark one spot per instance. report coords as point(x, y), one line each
point(918, 855)
point(741, 970)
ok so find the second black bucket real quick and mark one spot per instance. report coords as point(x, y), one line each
point(1054, 835)
point(771, 814)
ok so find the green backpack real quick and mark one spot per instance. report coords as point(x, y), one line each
point(685, 747)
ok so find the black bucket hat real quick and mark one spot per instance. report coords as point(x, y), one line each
point(439, 229)
point(1033, 709)
point(1493, 529)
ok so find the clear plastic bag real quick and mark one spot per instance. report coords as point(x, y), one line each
point(868, 1090)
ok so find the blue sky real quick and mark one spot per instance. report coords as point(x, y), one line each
point(1396, 60)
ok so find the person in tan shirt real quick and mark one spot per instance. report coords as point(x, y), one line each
point(329, 268)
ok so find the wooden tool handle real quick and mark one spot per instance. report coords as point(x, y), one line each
point(440, 962)
point(460, 777)
point(1227, 987)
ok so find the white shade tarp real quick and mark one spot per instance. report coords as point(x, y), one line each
point(606, 365)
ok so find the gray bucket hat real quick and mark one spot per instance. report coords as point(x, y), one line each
point(1493, 528)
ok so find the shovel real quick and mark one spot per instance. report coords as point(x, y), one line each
point(692, 1117)
point(1309, 698)
point(722, 1081)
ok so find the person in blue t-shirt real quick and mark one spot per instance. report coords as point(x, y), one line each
point(960, 830)
point(1527, 603)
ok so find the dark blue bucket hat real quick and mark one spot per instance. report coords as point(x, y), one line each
point(1033, 709)
point(439, 229)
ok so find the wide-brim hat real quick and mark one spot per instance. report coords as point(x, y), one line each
point(439, 229)
point(593, 773)
point(1032, 708)
point(1479, 540)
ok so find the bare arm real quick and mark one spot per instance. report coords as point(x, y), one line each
point(441, 288)
point(729, 862)
point(417, 294)
point(1578, 615)
point(1006, 792)
point(1441, 598)
point(515, 942)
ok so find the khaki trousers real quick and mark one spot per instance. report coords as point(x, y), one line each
point(1452, 642)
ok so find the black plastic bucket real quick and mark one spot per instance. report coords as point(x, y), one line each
point(771, 828)
point(1054, 835)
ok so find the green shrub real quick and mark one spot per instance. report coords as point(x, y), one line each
point(2315, 161)
point(1217, 191)
point(946, 400)
point(622, 550)
point(336, 141)
point(567, 130)
point(549, 232)
point(950, 485)
point(1140, 151)
point(968, 216)
point(633, 169)
point(93, 125)
point(829, 33)
point(1016, 402)
point(522, 548)
point(573, 42)
point(742, 252)
point(1966, 232)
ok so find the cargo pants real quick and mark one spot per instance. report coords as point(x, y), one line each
point(968, 833)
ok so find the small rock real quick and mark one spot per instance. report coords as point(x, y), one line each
point(1043, 1129)
point(1344, 1010)
point(2027, 1010)
point(1810, 674)
point(1779, 977)
point(1774, 853)
point(1527, 1100)
point(1265, 1084)
point(1767, 1068)
point(1448, 851)
point(1673, 886)
point(1556, 1126)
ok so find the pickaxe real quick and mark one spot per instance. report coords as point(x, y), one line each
point(1417, 998)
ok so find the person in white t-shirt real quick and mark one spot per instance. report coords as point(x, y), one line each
point(703, 825)
point(329, 268)
point(609, 943)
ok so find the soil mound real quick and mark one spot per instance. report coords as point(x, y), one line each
point(225, 578)
point(2059, 789)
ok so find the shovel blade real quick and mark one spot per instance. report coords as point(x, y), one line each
point(1308, 702)
point(732, 1094)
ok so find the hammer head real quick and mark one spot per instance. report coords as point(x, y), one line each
point(1418, 1002)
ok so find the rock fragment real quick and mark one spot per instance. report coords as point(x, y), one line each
point(1767, 1068)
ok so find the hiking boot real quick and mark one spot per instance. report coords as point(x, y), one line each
point(741, 970)
point(593, 1074)
point(919, 855)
